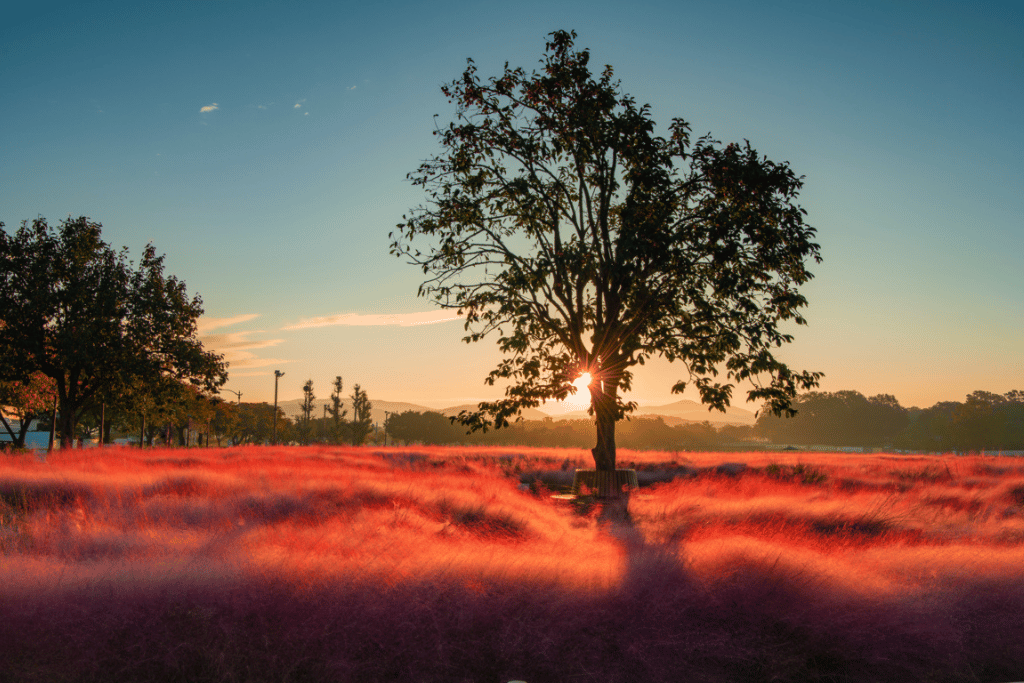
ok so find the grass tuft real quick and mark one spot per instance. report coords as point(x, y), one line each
point(801, 472)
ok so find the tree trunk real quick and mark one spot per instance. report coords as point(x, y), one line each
point(18, 440)
point(603, 400)
point(53, 427)
point(67, 429)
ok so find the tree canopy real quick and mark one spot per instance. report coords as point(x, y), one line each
point(79, 313)
point(31, 400)
point(556, 217)
point(841, 418)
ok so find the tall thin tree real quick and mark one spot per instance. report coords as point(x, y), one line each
point(362, 422)
point(337, 411)
point(308, 399)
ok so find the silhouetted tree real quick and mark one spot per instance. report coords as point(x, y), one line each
point(885, 420)
point(190, 414)
point(255, 424)
point(1012, 415)
point(429, 428)
point(225, 420)
point(840, 418)
point(337, 412)
point(930, 429)
point(76, 311)
point(988, 421)
point(557, 218)
point(361, 424)
point(306, 426)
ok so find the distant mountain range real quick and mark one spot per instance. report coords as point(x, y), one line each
point(681, 412)
point(676, 413)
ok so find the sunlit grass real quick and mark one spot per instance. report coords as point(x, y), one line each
point(434, 564)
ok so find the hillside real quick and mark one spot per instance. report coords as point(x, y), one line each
point(293, 408)
point(673, 413)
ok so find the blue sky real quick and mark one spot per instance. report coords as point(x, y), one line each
point(263, 147)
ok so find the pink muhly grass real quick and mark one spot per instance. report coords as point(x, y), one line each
point(430, 564)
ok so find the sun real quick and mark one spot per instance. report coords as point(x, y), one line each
point(579, 400)
point(582, 382)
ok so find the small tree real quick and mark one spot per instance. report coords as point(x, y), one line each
point(362, 422)
point(557, 218)
point(190, 414)
point(337, 412)
point(225, 419)
point(308, 398)
point(254, 424)
point(29, 401)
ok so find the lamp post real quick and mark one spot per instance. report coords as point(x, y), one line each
point(277, 375)
point(237, 393)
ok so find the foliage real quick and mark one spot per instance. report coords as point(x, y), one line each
point(642, 433)
point(29, 401)
point(841, 418)
point(255, 424)
point(362, 423)
point(77, 311)
point(984, 421)
point(429, 428)
point(558, 219)
point(988, 420)
point(337, 412)
point(225, 420)
point(192, 414)
point(145, 410)
point(306, 421)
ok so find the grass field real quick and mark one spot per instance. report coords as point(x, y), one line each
point(433, 564)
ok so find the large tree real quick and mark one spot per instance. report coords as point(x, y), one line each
point(77, 311)
point(557, 217)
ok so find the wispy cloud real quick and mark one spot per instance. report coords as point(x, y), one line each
point(237, 341)
point(246, 359)
point(237, 347)
point(352, 88)
point(372, 319)
point(258, 373)
point(208, 108)
point(205, 324)
point(298, 105)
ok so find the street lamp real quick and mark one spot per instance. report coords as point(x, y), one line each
point(238, 393)
point(277, 375)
